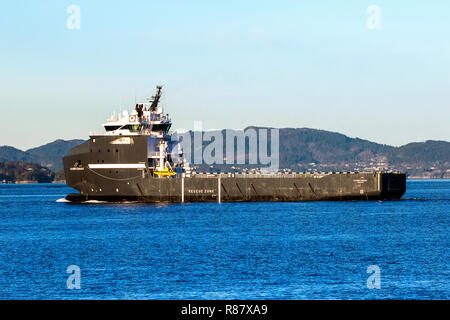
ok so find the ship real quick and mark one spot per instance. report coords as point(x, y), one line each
point(132, 159)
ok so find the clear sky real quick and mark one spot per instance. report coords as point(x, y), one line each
point(229, 63)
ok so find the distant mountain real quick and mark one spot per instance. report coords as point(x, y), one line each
point(12, 154)
point(49, 155)
point(301, 149)
point(323, 147)
point(304, 149)
point(421, 152)
point(318, 146)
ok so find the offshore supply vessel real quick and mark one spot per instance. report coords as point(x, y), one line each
point(132, 160)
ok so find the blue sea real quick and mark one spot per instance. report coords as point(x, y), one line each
point(310, 250)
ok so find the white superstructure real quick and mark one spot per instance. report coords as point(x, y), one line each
point(146, 119)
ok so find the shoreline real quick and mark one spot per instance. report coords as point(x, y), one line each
point(31, 182)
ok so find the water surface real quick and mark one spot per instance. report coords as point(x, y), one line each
point(310, 250)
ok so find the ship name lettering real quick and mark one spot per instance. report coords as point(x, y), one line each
point(200, 191)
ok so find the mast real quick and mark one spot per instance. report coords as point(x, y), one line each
point(156, 98)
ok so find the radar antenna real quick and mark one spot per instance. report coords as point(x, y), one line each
point(156, 98)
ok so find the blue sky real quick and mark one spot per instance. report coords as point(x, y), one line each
point(230, 64)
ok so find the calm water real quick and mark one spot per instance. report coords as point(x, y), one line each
point(314, 250)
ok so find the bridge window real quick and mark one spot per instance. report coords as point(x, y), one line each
point(133, 127)
point(111, 128)
point(164, 127)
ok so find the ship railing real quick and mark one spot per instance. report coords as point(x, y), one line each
point(111, 133)
point(158, 117)
point(153, 154)
point(268, 175)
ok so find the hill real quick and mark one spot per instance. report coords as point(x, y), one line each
point(310, 145)
point(301, 149)
point(304, 149)
point(421, 152)
point(24, 172)
point(49, 155)
point(12, 154)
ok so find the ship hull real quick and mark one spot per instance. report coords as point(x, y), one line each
point(96, 169)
